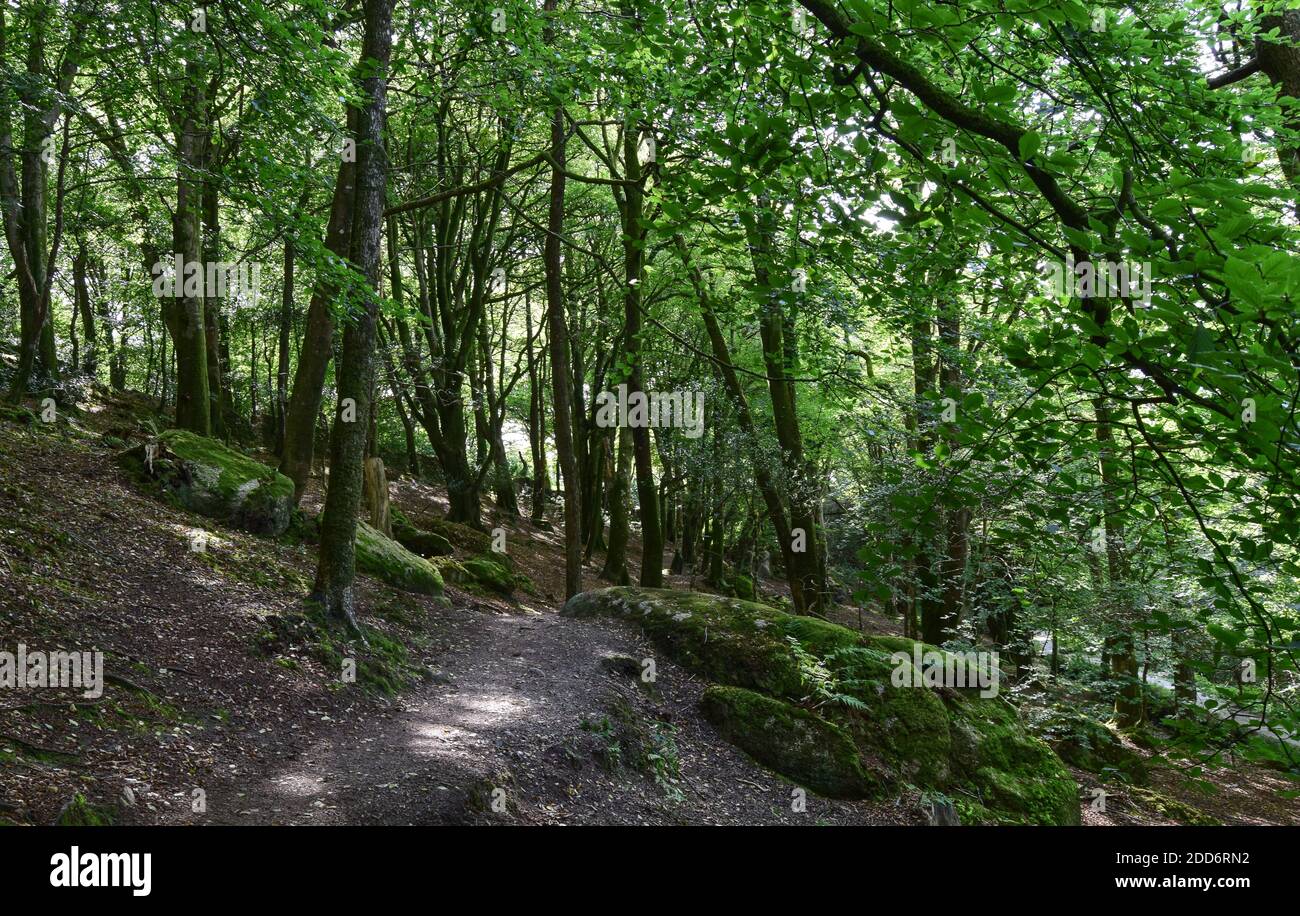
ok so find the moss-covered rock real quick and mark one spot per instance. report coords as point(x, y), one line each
point(79, 812)
point(209, 478)
point(1088, 744)
point(462, 537)
point(479, 574)
point(848, 683)
point(790, 740)
point(976, 667)
point(489, 574)
point(17, 413)
point(389, 561)
point(418, 541)
point(717, 638)
point(907, 726)
point(451, 570)
point(1017, 776)
point(741, 586)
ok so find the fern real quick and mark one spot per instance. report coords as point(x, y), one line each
point(824, 688)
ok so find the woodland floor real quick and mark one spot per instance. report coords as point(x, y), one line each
point(516, 698)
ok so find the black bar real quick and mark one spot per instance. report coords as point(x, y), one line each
point(249, 864)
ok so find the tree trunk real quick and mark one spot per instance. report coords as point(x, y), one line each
point(616, 557)
point(337, 568)
point(84, 311)
point(557, 324)
point(318, 339)
point(652, 541)
point(805, 558)
point(1122, 652)
point(183, 310)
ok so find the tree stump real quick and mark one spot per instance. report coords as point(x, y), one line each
point(376, 496)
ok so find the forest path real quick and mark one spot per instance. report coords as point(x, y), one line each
point(507, 713)
point(421, 762)
point(521, 699)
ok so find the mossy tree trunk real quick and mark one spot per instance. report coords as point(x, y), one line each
point(536, 421)
point(221, 408)
point(557, 323)
point(318, 339)
point(631, 208)
point(337, 567)
point(804, 567)
point(25, 204)
point(619, 517)
point(183, 311)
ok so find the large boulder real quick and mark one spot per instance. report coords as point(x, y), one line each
point(490, 574)
point(209, 478)
point(385, 559)
point(789, 739)
point(417, 540)
point(1018, 776)
point(809, 690)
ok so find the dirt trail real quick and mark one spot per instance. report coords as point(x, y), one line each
point(507, 714)
point(521, 700)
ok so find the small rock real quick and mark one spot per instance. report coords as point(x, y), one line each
point(623, 665)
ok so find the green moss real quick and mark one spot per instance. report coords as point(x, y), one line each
point(207, 477)
point(80, 813)
point(792, 741)
point(1017, 775)
point(420, 542)
point(741, 586)
point(725, 640)
point(1172, 808)
point(911, 648)
point(898, 644)
point(817, 636)
point(907, 726)
point(451, 570)
point(1088, 744)
point(490, 574)
point(389, 561)
point(903, 734)
point(17, 414)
